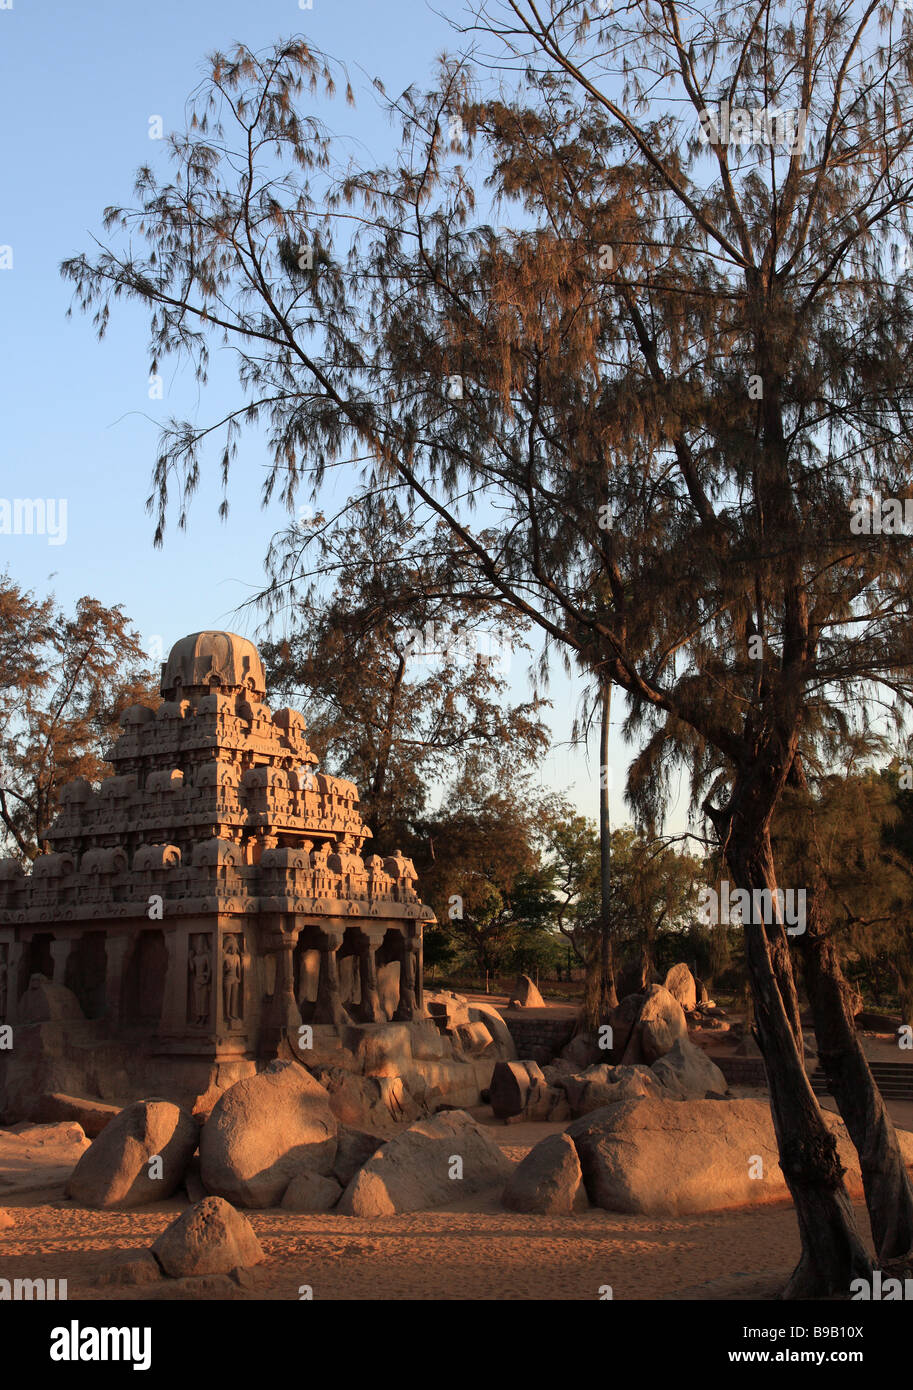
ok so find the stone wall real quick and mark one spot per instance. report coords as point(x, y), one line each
point(527, 1033)
point(743, 1071)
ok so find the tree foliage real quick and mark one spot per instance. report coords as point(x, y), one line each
point(64, 682)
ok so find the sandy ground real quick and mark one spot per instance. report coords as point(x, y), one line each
point(474, 1250)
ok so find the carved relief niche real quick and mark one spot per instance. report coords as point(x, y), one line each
point(199, 980)
point(232, 981)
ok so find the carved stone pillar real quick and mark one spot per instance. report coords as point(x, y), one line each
point(281, 1012)
point(416, 950)
point(173, 1021)
point(117, 949)
point(406, 1008)
point(13, 968)
point(328, 1008)
point(60, 954)
point(369, 1010)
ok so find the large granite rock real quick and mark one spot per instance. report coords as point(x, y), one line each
point(582, 1051)
point(447, 1008)
point(602, 1085)
point(488, 1014)
point(547, 1180)
point(418, 1169)
point(659, 1026)
point(681, 985)
point(525, 995)
point(623, 1019)
point(368, 1102)
point(653, 1158)
point(687, 1073)
point(264, 1131)
point(209, 1238)
point(354, 1148)
point(54, 1107)
point(117, 1170)
point(33, 1157)
point(514, 1087)
point(311, 1192)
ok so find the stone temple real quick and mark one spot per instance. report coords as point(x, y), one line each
point(205, 901)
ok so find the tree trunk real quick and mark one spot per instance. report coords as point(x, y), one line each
point(832, 1252)
point(888, 1193)
point(599, 996)
point(607, 995)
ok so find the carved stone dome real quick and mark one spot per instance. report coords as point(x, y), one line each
point(213, 660)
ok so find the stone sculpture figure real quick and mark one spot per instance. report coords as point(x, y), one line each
point(201, 980)
point(231, 981)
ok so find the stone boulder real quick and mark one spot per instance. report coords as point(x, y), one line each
point(45, 1002)
point(447, 1009)
point(651, 1158)
point(582, 1051)
point(54, 1107)
point(209, 1238)
point(368, 1102)
point(526, 995)
point(681, 985)
point(623, 1020)
point(659, 1026)
point(311, 1192)
point(418, 1169)
point(602, 1085)
point(475, 1039)
point(263, 1132)
point(547, 1180)
point(33, 1157)
point(116, 1170)
point(488, 1014)
point(514, 1087)
point(687, 1073)
point(130, 1270)
point(355, 1147)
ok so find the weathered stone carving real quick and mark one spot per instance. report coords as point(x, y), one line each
point(200, 966)
point(231, 981)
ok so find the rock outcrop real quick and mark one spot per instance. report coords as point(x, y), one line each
point(687, 1073)
point(547, 1180)
point(209, 1238)
point(140, 1156)
point(55, 1108)
point(660, 1024)
point(681, 985)
point(431, 1164)
point(526, 995)
point(652, 1158)
point(263, 1132)
point(311, 1192)
point(33, 1157)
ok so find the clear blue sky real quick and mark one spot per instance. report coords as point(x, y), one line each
point(78, 85)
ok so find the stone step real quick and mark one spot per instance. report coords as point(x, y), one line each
point(893, 1079)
